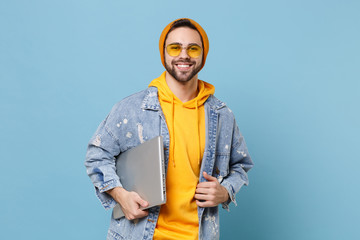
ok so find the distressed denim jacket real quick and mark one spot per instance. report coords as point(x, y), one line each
point(139, 118)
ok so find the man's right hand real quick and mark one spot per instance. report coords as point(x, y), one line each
point(130, 203)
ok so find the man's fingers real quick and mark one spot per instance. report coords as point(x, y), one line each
point(132, 204)
point(209, 177)
point(203, 197)
point(141, 213)
point(141, 202)
point(138, 214)
point(199, 196)
point(205, 204)
point(210, 193)
point(202, 190)
point(207, 185)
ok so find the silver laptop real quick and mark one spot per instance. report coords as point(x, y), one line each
point(142, 170)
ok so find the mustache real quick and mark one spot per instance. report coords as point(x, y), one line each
point(182, 61)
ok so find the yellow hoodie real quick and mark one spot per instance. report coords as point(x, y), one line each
point(178, 218)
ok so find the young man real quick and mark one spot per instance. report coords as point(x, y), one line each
point(206, 156)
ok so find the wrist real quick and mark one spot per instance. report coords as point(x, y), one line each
point(226, 194)
point(116, 193)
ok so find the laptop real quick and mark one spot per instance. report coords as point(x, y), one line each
point(142, 170)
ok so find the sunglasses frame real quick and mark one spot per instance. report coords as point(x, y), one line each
point(187, 49)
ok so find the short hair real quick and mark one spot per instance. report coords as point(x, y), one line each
point(183, 22)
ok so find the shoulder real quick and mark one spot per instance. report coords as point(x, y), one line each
point(132, 99)
point(135, 100)
point(131, 105)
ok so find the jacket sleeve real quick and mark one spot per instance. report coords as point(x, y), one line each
point(100, 163)
point(240, 163)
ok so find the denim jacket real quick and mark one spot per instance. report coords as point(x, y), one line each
point(139, 118)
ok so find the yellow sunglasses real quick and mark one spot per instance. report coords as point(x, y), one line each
point(175, 49)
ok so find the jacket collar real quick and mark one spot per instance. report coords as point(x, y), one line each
point(151, 101)
point(215, 103)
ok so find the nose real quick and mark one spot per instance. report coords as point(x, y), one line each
point(183, 53)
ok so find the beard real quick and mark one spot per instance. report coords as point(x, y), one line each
point(179, 75)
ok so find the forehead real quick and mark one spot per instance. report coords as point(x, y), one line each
point(183, 35)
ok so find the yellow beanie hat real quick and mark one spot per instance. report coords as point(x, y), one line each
point(200, 30)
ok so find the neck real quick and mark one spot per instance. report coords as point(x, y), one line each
point(185, 91)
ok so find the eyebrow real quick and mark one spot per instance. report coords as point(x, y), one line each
point(190, 44)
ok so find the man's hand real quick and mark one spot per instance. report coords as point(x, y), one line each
point(210, 193)
point(130, 203)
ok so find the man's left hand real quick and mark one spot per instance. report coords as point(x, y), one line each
point(210, 193)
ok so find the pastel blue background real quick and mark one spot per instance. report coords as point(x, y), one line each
point(289, 70)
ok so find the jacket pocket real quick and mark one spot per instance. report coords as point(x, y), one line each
point(120, 229)
point(113, 235)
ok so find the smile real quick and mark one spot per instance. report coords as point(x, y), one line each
point(183, 66)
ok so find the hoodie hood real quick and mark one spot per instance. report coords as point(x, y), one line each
point(165, 94)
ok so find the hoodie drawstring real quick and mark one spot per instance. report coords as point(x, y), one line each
point(172, 141)
point(169, 101)
point(198, 131)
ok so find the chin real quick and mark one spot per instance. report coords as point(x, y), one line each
point(182, 77)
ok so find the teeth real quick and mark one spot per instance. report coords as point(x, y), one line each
point(184, 66)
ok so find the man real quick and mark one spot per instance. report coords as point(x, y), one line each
point(206, 156)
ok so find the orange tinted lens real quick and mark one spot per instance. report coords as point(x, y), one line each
point(173, 50)
point(194, 51)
